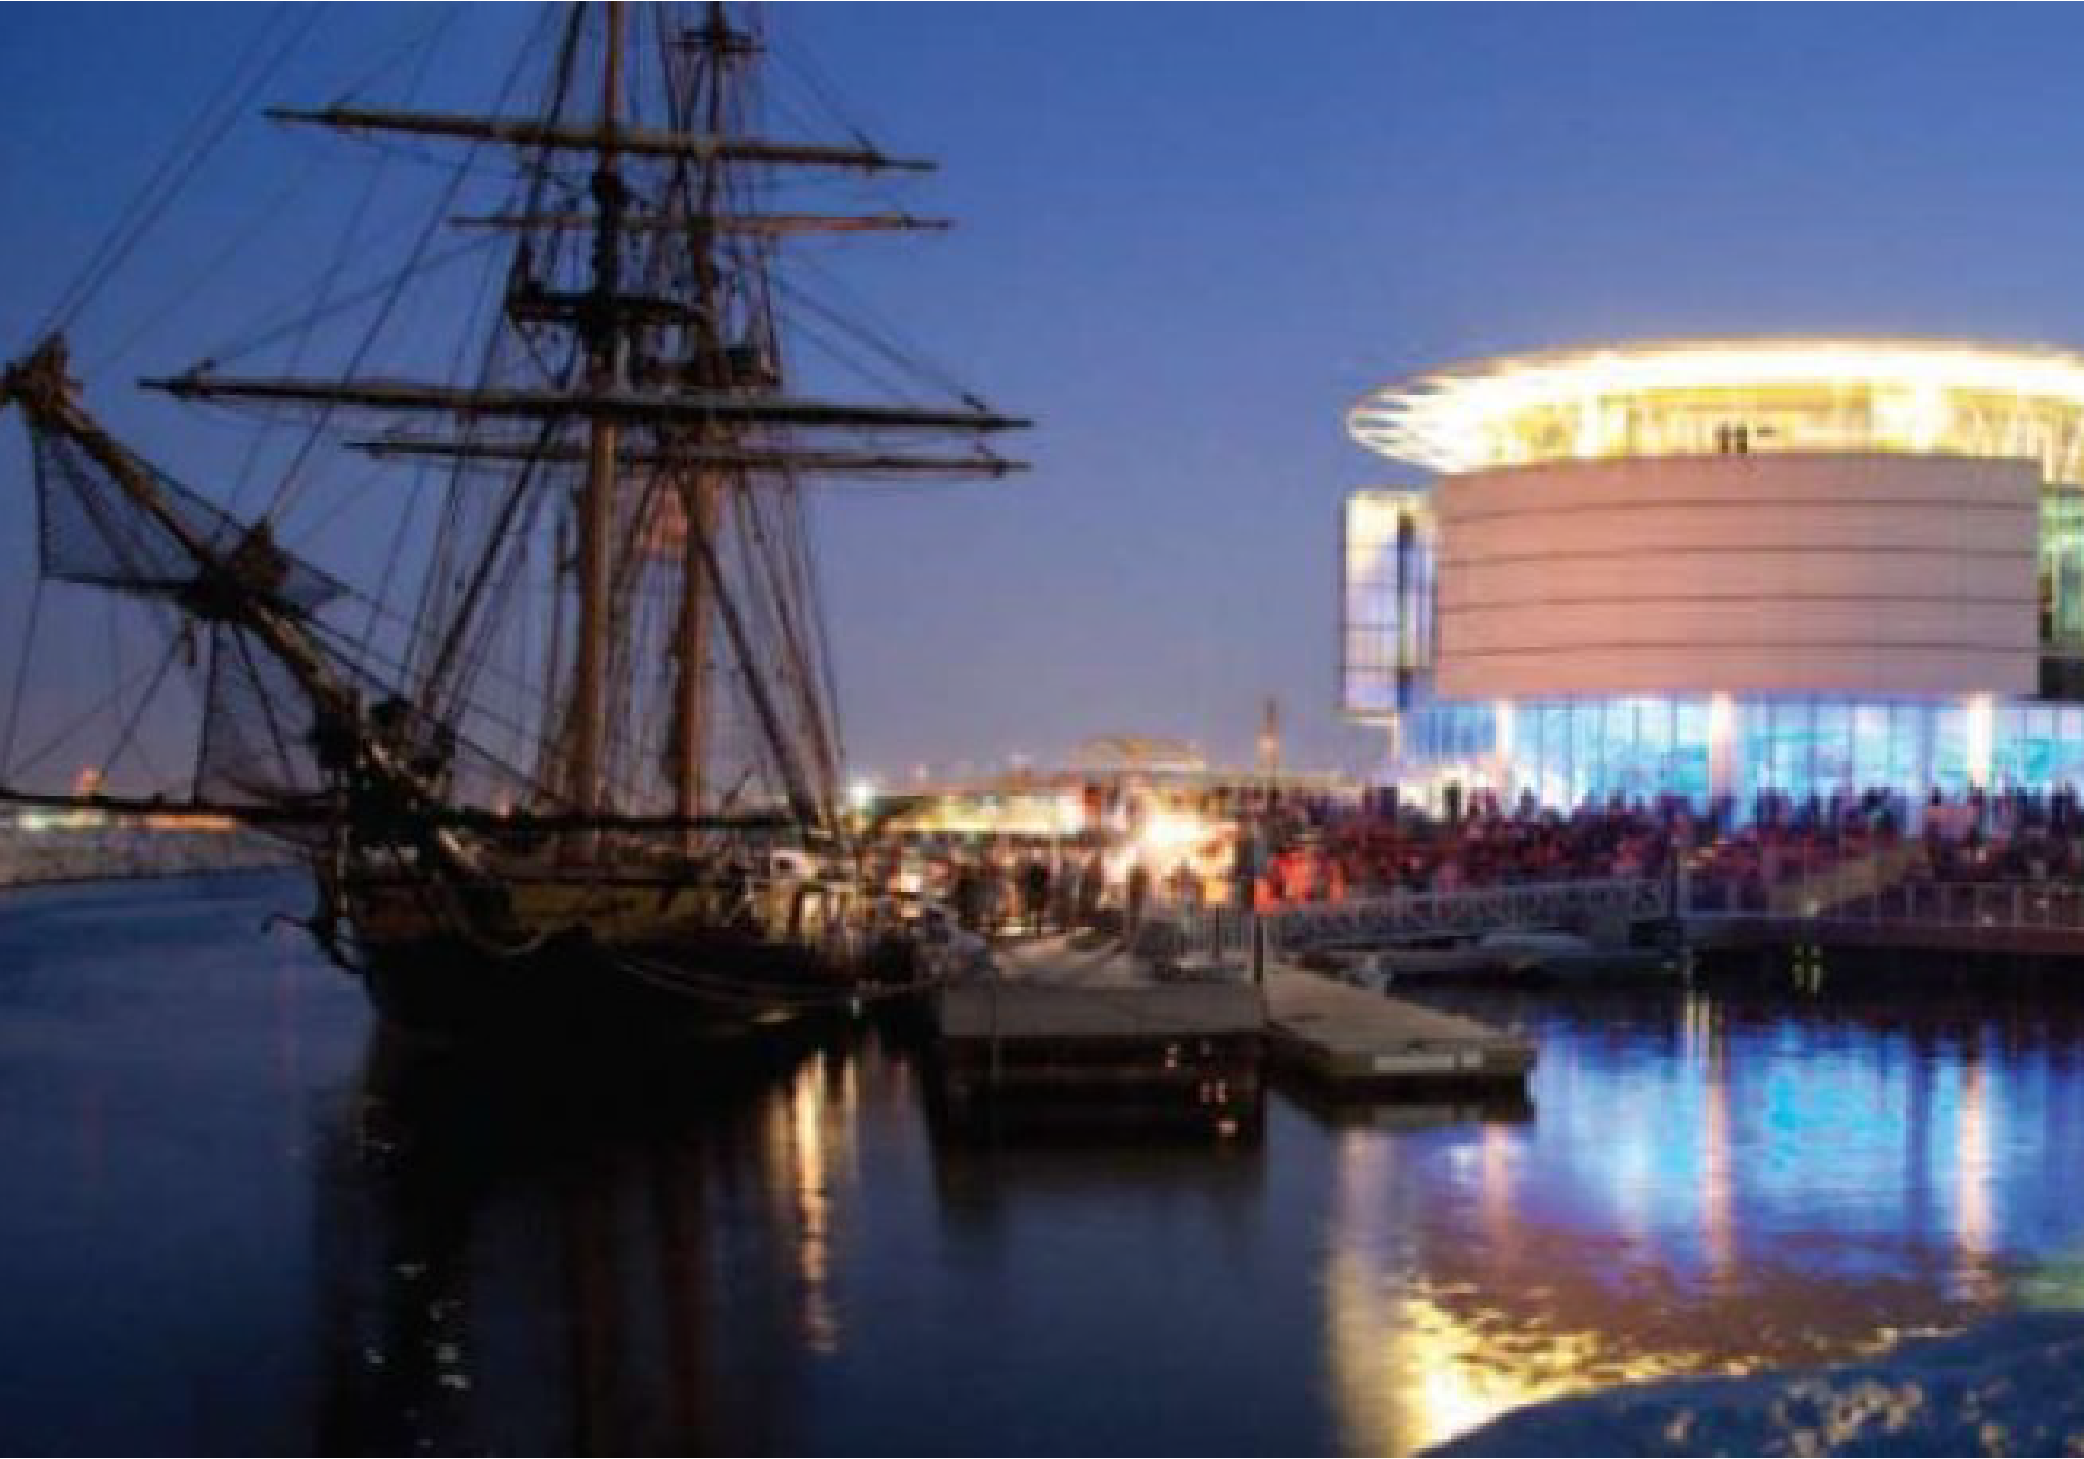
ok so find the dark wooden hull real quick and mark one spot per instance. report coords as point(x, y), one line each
point(573, 992)
point(605, 956)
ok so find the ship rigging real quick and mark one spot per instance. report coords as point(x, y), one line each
point(597, 737)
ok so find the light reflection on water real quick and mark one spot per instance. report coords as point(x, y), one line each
point(238, 1222)
point(1712, 1182)
point(810, 1125)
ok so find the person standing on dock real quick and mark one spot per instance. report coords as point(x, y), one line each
point(969, 895)
point(1245, 862)
point(1139, 892)
point(1092, 885)
point(1063, 892)
point(992, 898)
point(1184, 887)
point(1034, 890)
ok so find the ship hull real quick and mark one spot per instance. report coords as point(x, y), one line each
point(574, 992)
point(575, 960)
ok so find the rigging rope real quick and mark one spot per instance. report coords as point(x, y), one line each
point(191, 288)
point(74, 725)
point(427, 635)
point(289, 486)
point(21, 676)
point(881, 346)
point(260, 338)
point(128, 734)
point(339, 644)
point(195, 143)
point(400, 535)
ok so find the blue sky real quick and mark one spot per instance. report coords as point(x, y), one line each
point(1189, 236)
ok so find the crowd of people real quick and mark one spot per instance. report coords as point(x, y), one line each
point(1375, 856)
point(1979, 838)
point(1006, 884)
point(1301, 852)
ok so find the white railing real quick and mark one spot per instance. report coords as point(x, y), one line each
point(1224, 934)
point(1195, 936)
point(1470, 911)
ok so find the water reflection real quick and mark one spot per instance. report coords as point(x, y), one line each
point(809, 1147)
point(1715, 1183)
point(1419, 1345)
point(237, 1225)
point(607, 1263)
point(1709, 1051)
point(686, 1264)
point(1974, 1181)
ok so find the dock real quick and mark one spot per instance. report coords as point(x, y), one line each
point(1079, 1030)
point(1355, 1041)
point(1039, 1050)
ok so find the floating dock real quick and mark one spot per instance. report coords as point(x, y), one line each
point(1075, 1030)
point(1356, 1041)
point(1045, 1052)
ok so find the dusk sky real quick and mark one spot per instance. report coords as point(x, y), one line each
point(1189, 237)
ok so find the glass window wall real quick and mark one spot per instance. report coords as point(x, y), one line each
point(1571, 752)
point(1386, 633)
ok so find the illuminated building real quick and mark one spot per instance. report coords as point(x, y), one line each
point(1726, 567)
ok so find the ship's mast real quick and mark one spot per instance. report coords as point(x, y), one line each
point(701, 486)
point(671, 401)
point(597, 498)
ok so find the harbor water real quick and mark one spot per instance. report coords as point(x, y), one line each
point(239, 1220)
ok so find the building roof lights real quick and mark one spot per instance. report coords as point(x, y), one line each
point(1695, 397)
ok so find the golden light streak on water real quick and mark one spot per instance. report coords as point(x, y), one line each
point(810, 1131)
point(1414, 1362)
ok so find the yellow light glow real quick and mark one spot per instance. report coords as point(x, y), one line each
point(1981, 734)
point(188, 821)
point(1722, 739)
point(1036, 814)
point(1169, 835)
point(1936, 397)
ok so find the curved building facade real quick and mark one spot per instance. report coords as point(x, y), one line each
point(1727, 568)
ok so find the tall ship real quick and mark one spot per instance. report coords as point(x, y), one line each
point(573, 763)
